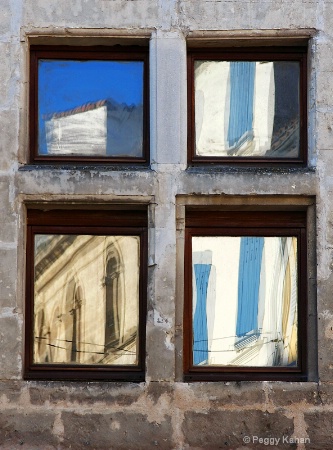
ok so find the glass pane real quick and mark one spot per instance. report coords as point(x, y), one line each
point(247, 108)
point(244, 301)
point(86, 299)
point(90, 108)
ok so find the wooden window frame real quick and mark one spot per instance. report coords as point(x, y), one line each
point(95, 222)
point(247, 223)
point(297, 54)
point(84, 53)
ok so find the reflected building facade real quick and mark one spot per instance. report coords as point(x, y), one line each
point(86, 299)
point(103, 128)
point(246, 108)
point(245, 301)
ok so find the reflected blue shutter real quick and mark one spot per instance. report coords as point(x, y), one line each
point(200, 331)
point(241, 100)
point(248, 284)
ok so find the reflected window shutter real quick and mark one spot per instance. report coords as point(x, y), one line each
point(248, 284)
point(241, 102)
point(200, 331)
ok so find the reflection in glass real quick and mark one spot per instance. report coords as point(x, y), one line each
point(86, 299)
point(90, 108)
point(244, 301)
point(247, 108)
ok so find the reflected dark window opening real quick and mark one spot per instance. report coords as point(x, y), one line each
point(43, 338)
point(113, 302)
point(73, 322)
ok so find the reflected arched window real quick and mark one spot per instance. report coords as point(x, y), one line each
point(72, 320)
point(113, 300)
point(43, 337)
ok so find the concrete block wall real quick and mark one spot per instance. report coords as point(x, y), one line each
point(164, 412)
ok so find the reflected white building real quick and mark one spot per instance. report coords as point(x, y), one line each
point(246, 108)
point(245, 301)
point(96, 129)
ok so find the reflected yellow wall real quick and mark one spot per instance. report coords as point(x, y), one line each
point(75, 284)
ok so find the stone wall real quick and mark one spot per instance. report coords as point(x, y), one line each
point(164, 412)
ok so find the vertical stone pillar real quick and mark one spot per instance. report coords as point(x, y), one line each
point(168, 159)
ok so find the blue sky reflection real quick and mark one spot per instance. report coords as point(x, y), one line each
point(64, 85)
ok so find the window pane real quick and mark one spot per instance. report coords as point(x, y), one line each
point(244, 301)
point(247, 108)
point(90, 108)
point(86, 299)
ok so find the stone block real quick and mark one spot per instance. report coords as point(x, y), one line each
point(211, 15)
point(51, 393)
point(325, 393)
point(319, 429)
point(229, 429)
point(325, 327)
point(8, 217)
point(323, 55)
point(290, 394)
point(121, 394)
point(86, 181)
point(154, 391)
point(160, 361)
point(85, 394)
point(219, 395)
point(324, 89)
point(9, 74)
point(228, 15)
point(10, 347)
point(9, 138)
point(325, 130)
point(8, 277)
point(10, 392)
point(326, 18)
point(267, 15)
point(128, 431)
point(93, 14)
point(325, 159)
point(28, 429)
point(5, 16)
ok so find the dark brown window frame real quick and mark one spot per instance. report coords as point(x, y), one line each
point(85, 53)
point(248, 54)
point(79, 221)
point(246, 223)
